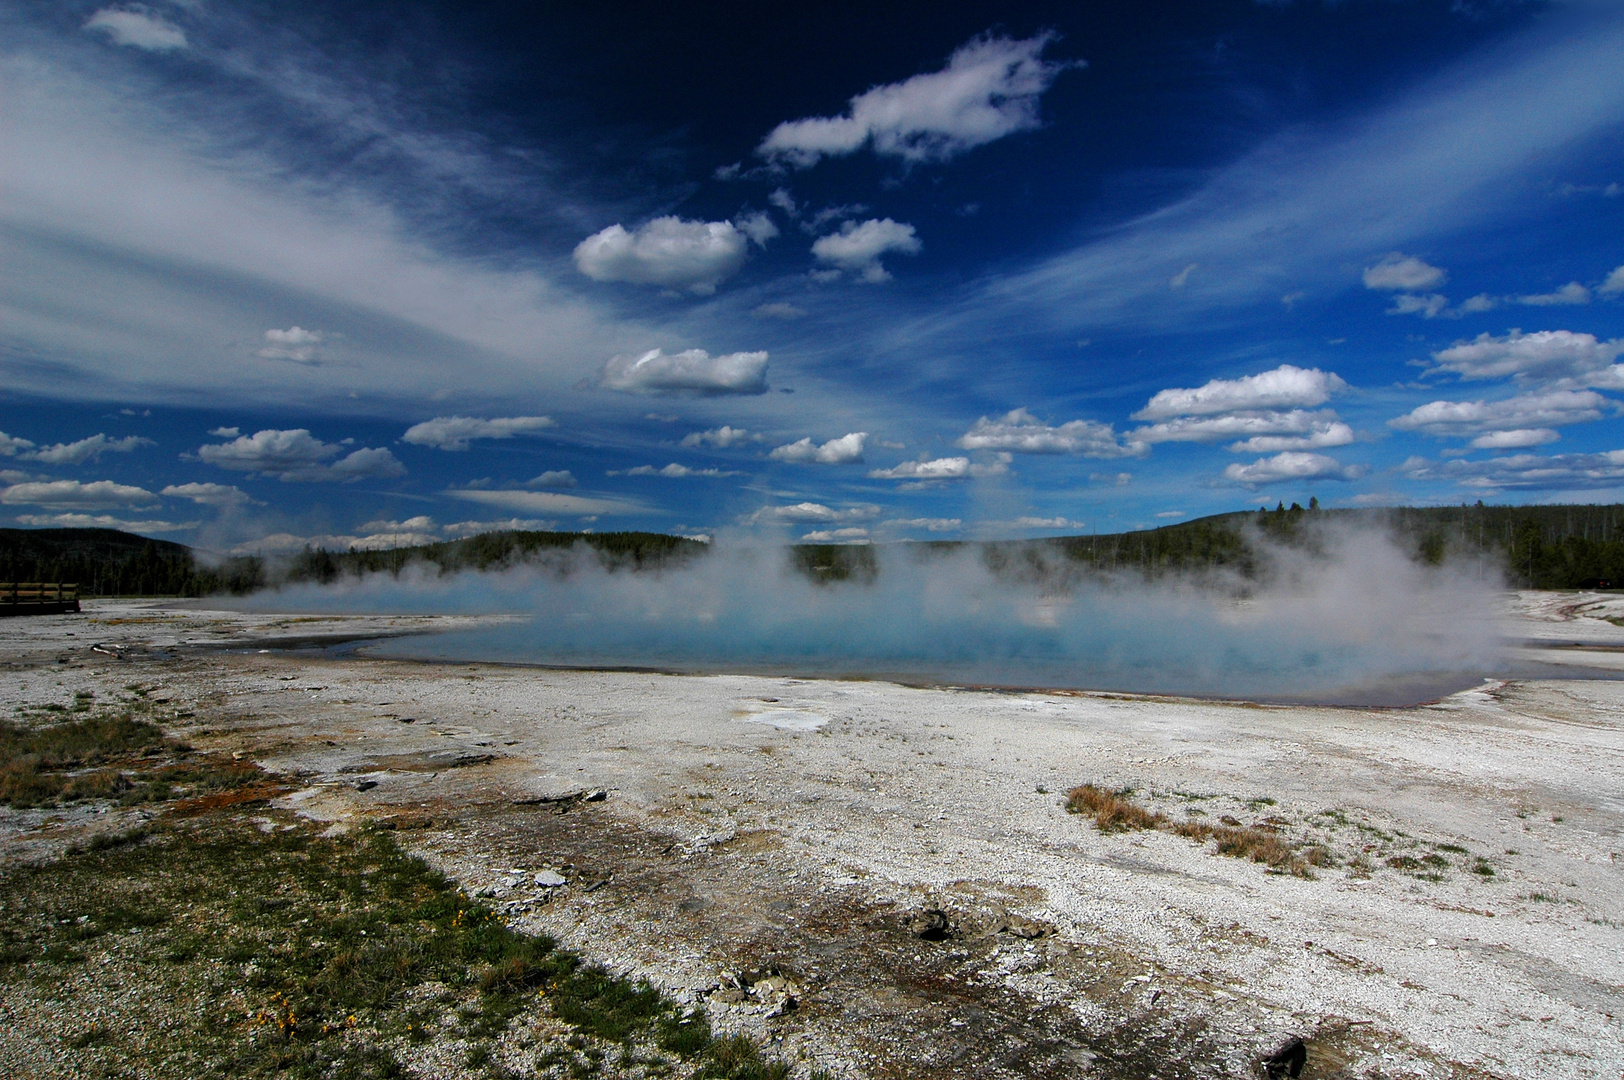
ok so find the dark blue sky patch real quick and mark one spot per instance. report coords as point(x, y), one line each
point(851, 238)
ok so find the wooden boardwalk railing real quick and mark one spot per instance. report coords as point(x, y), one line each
point(38, 597)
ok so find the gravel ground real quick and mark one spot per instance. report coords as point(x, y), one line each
point(900, 860)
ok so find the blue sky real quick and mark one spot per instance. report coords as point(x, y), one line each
point(363, 273)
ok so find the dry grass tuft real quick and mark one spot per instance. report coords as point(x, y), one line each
point(1113, 811)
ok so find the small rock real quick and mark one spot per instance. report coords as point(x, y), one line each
point(595, 795)
point(549, 879)
point(365, 785)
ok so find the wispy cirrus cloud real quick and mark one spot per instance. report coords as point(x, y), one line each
point(1300, 207)
point(138, 27)
point(546, 502)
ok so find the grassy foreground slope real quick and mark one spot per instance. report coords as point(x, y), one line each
point(222, 938)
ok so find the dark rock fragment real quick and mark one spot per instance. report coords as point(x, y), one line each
point(1287, 1061)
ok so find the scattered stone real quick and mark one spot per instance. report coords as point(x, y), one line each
point(365, 785)
point(549, 879)
point(772, 990)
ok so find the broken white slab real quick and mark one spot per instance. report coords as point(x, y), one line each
point(789, 719)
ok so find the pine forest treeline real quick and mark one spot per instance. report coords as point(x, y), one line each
point(1546, 547)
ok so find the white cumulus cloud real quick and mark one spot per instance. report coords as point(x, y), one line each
point(295, 454)
point(851, 535)
point(842, 451)
point(1295, 424)
point(1544, 354)
point(1321, 435)
point(137, 27)
point(672, 471)
point(553, 478)
point(1571, 293)
point(811, 512)
point(73, 495)
point(989, 89)
point(1400, 272)
point(668, 251)
point(1614, 283)
point(1292, 465)
point(1516, 439)
point(857, 249)
point(295, 343)
point(1286, 387)
point(88, 449)
point(722, 437)
point(947, 468)
point(1429, 306)
point(693, 371)
point(103, 521)
point(13, 446)
point(455, 432)
point(1552, 408)
point(1018, 431)
point(224, 496)
point(758, 227)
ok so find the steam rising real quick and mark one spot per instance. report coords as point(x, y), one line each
point(1347, 618)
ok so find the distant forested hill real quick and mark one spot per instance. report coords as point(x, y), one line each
point(1549, 547)
point(1543, 547)
point(106, 562)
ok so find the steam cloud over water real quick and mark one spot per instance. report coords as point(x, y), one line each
point(1359, 622)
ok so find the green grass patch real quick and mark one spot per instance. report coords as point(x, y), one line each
point(339, 954)
point(112, 757)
